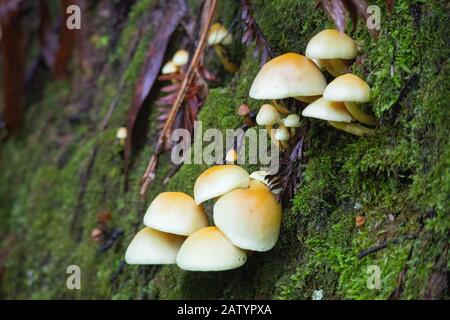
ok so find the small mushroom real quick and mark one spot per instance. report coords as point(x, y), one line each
point(219, 180)
point(175, 212)
point(282, 134)
point(169, 67)
point(332, 50)
point(249, 217)
point(268, 116)
point(180, 58)
point(209, 250)
point(336, 114)
point(245, 112)
point(231, 156)
point(219, 35)
point(350, 89)
point(151, 246)
point(290, 75)
point(121, 135)
point(292, 121)
point(360, 221)
point(96, 234)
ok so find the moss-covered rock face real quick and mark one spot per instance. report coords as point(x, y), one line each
point(60, 173)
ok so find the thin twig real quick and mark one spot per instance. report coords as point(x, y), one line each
point(209, 9)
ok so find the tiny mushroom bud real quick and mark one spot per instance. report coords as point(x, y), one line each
point(231, 156)
point(180, 58)
point(288, 75)
point(121, 133)
point(219, 180)
point(209, 250)
point(282, 134)
point(243, 110)
point(96, 234)
point(151, 246)
point(249, 217)
point(292, 121)
point(331, 49)
point(175, 212)
point(169, 67)
point(349, 89)
point(359, 221)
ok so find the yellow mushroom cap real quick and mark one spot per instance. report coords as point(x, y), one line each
point(209, 250)
point(121, 133)
point(282, 133)
point(218, 180)
point(292, 121)
point(288, 75)
point(331, 44)
point(267, 115)
point(180, 58)
point(169, 67)
point(175, 212)
point(151, 246)
point(327, 110)
point(249, 217)
point(218, 34)
point(348, 87)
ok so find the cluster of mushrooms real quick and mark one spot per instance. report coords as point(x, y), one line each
point(292, 75)
point(246, 216)
point(179, 59)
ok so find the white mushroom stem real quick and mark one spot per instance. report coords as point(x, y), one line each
point(227, 64)
point(360, 115)
point(279, 107)
point(353, 128)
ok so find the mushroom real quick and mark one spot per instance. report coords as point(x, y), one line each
point(180, 58)
point(209, 250)
point(219, 35)
point(267, 116)
point(249, 217)
point(151, 246)
point(350, 89)
point(169, 67)
point(218, 180)
point(336, 114)
point(175, 212)
point(288, 75)
point(282, 134)
point(121, 135)
point(292, 121)
point(332, 49)
point(231, 156)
